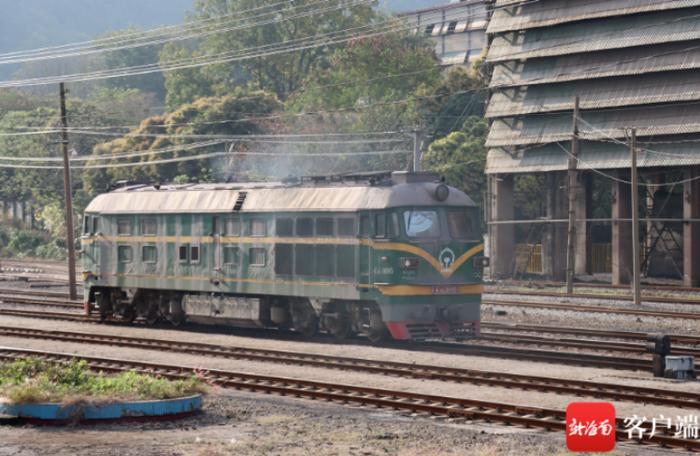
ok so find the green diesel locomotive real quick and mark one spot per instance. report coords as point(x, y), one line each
point(395, 254)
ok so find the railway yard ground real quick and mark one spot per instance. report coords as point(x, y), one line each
point(239, 419)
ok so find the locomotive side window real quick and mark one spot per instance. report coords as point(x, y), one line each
point(258, 227)
point(257, 256)
point(95, 225)
point(194, 254)
point(149, 254)
point(149, 227)
point(86, 225)
point(324, 226)
point(305, 226)
point(422, 223)
point(325, 261)
point(303, 259)
point(230, 255)
point(346, 227)
point(124, 227)
point(364, 226)
point(284, 259)
point(393, 225)
point(125, 254)
point(380, 225)
point(183, 253)
point(345, 261)
point(284, 227)
point(462, 224)
point(233, 227)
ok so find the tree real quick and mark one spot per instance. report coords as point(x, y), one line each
point(461, 158)
point(445, 106)
point(186, 85)
point(227, 115)
point(292, 22)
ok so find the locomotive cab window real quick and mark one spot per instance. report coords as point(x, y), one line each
point(463, 224)
point(95, 224)
point(149, 227)
point(421, 223)
point(124, 227)
point(86, 224)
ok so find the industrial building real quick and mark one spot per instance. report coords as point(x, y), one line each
point(633, 64)
point(458, 29)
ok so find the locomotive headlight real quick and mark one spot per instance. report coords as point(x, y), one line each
point(409, 263)
point(442, 192)
point(481, 263)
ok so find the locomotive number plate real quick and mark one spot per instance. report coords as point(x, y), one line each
point(445, 290)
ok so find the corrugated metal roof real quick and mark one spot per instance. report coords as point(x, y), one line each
point(596, 94)
point(279, 198)
point(618, 62)
point(592, 155)
point(544, 128)
point(553, 12)
point(609, 33)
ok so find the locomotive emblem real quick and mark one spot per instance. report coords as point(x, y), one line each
point(446, 257)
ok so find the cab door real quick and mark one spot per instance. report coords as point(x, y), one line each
point(216, 266)
point(365, 251)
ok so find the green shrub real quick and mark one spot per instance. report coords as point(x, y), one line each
point(31, 380)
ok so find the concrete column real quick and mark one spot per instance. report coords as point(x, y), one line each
point(582, 249)
point(691, 231)
point(502, 236)
point(554, 234)
point(621, 231)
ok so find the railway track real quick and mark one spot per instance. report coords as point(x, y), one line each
point(609, 297)
point(37, 298)
point(351, 395)
point(417, 371)
point(546, 356)
point(588, 332)
point(573, 307)
point(553, 284)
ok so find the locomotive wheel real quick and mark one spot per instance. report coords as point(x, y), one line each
point(152, 317)
point(310, 327)
point(176, 320)
point(341, 328)
point(377, 331)
point(129, 314)
point(377, 335)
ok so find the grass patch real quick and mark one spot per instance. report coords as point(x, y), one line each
point(32, 380)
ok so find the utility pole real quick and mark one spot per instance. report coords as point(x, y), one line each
point(636, 290)
point(417, 155)
point(68, 192)
point(571, 233)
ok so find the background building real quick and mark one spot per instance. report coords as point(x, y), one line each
point(459, 30)
point(633, 63)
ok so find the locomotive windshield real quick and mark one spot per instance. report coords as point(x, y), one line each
point(422, 223)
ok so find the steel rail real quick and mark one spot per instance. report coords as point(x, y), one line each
point(649, 299)
point(351, 395)
point(594, 309)
point(589, 332)
point(391, 368)
point(551, 283)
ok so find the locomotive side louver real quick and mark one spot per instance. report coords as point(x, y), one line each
point(240, 200)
